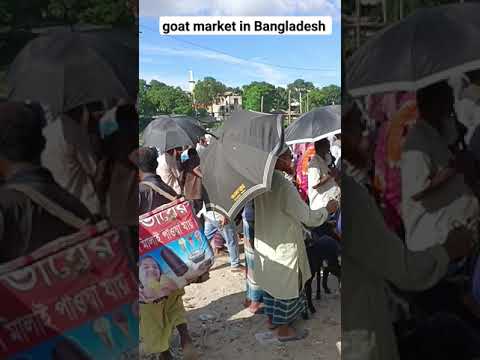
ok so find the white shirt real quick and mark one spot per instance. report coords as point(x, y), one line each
point(200, 149)
point(168, 171)
point(70, 158)
point(429, 221)
point(319, 197)
point(336, 151)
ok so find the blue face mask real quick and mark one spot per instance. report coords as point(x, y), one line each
point(184, 157)
point(108, 123)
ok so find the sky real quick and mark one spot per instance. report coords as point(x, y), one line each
point(239, 60)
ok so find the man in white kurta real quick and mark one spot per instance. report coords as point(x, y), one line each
point(281, 263)
point(168, 170)
point(321, 184)
point(429, 220)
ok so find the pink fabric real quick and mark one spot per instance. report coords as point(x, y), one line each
point(387, 156)
point(302, 170)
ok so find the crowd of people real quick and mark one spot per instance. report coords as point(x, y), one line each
point(274, 228)
point(408, 254)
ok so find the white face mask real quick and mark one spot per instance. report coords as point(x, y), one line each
point(468, 110)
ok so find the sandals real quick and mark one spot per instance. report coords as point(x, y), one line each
point(300, 335)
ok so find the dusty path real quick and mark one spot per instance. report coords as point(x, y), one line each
point(229, 330)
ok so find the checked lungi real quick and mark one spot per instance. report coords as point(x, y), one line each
point(284, 312)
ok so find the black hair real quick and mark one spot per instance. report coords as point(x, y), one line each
point(434, 100)
point(474, 76)
point(21, 132)
point(147, 159)
point(321, 144)
point(353, 125)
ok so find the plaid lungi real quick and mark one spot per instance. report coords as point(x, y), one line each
point(284, 312)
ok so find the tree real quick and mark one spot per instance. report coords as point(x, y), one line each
point(207, 89)
point(252, 96)
point(236, 90)
point(98, 12)
point(158, 98)
point(297, 85)
point(333, 94)
point(325, 96)
point(145, 106)
point(280, 101)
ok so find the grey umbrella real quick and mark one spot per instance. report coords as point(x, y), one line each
point(67, 69)
point(167, 132)
point(424, 48)
point(239, 165)
point(315, 125)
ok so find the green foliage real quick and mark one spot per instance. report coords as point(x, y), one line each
point(145, 106)
point(158, 98)
point(168, 99)
point(99, 12)
point(280, 101)
point(327, 95)
point(252, 95)
point(207, 89)
point(5, 13)
point(299, 85)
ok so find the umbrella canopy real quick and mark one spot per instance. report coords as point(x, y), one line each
point(67, 69)
point(315, 125)
point(239, 165)
point(424, 48)
point(208, 120)
point(168, 132)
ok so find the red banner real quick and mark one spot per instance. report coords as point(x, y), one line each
point(63, 290)
point(164, 225)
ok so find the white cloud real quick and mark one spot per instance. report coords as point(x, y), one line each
point(239, 8)
point(169, 79)
point(252, 68)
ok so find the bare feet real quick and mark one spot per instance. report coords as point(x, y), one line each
point(287, 333)
point(189, 352)
point(255, 307)
point(270, 325)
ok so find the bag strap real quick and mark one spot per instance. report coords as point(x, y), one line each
point(158, 190)
point(51, 207)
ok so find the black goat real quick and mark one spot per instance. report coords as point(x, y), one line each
point(318, 253)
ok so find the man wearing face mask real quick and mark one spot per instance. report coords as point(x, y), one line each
point(168, 169)
point(322, 185)
point(70, 156)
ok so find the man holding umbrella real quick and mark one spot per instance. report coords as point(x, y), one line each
point(280, 249)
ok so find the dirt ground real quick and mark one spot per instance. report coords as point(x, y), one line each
point(228, 330)
point(223, 329)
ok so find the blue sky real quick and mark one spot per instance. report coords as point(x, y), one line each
point(239, 60)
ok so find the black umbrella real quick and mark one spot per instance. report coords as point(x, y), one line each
point(67, 69)
point(208, 120)
point(317, 124)
point(239, 165)
point(426, 47)
point(168, 132)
